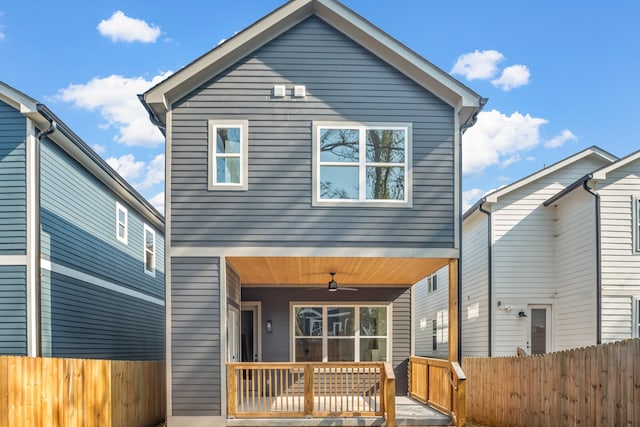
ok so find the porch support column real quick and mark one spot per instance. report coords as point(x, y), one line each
point(454, 309)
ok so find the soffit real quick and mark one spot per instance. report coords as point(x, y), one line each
point(350, 271)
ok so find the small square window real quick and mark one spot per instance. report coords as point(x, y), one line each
point(149, 250)
point(228, 155)
point(122, 223)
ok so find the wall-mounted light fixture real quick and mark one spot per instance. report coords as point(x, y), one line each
point(522, 313)
point(269, 326)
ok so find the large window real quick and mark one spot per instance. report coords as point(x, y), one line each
point(122, 223)
point(228, 155)
point(340, 333)
point(149, 250)
point(367, 164)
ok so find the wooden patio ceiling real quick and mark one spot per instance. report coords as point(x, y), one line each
point(350, 271)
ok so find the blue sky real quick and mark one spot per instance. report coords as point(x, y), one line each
point(560, 76)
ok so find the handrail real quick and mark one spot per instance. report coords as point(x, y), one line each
point(300, 389)
point(439, 383)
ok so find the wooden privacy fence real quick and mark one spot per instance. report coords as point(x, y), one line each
point(80, 392)
point(440, 384)
point(311, 389)
point(594, 386)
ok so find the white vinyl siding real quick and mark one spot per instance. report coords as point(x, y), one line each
point(474, 298)
point(524, 252)
point(432, 308)
point(575, 308)
point(620, 262)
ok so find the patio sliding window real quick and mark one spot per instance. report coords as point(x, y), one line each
point(362, 164)
point(340, 333)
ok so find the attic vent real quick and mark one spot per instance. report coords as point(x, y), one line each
point(279, 91)
point(299, 91)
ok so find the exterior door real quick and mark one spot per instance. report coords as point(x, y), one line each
point(233, 335)
point(539, 329)
point(250, 322)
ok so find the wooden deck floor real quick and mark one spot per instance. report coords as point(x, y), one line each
point(408, 413)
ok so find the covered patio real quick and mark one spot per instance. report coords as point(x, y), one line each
point(305, 346)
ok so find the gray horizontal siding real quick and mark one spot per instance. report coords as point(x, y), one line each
point(78, 226)
point(82, 320)
point(275, 307)
point(13, 181)
point(195, 336)
point(344, 83)
point(13, 310)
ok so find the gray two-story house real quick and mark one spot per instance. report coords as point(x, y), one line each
point(313, 176)
point(81, 251)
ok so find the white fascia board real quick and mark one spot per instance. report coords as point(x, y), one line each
point(493, 197)
point(601, 174)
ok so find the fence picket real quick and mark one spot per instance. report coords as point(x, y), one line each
point(594, 386)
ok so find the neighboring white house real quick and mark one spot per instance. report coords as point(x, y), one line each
point(533, 272)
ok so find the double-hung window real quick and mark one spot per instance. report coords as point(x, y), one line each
point(363, 164)
point(122, 223)
point(338, 333)
point(432, 283)
point(228, 160)
point(149, 250)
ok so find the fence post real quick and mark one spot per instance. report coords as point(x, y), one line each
point(308, 389)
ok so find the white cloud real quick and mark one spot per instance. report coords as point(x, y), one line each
point(158, 202)
point(120, 27)
point(127, 166)
point(560, 139)
point(478, 65)
point(153, 173)
point(115, 98)
point(138, 173)
point(498, 139)
point(2, 36)
point(512, 77)
point(470, 197)
point(98, 148)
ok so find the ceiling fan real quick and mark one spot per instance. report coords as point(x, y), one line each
point(333, 285)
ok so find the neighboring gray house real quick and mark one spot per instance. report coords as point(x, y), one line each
point(81, 252)
point(548, 262)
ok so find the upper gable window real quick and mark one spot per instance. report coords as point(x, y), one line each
point(362, 164)
point(228, 155)
point(122, 223)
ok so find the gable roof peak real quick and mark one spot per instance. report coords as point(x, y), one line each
point(159, 99)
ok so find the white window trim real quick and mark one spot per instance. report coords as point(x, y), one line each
point(635, 316)
point(144, 250)
point(362, 127)
point(213, 125)
point(635, 233)
point(356, 336)
point(120, 208)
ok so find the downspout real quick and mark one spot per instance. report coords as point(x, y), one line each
point(38, 233)
point(585, 185)
point(489, 274)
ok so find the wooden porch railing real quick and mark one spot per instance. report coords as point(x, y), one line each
point(440, 384)
point(269, 390)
